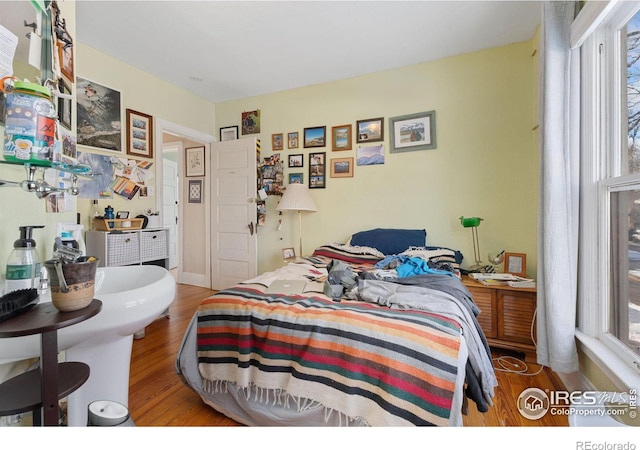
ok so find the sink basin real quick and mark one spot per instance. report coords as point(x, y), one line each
point(132, 297)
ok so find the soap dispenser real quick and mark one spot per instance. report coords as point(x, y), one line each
point(23, 265)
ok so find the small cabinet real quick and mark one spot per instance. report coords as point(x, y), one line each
point(507, 314)
point(148, 246)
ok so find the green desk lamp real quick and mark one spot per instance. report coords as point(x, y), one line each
point(474, 223)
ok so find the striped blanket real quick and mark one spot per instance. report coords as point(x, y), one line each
point(388, 367)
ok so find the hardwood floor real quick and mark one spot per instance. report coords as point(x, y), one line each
point(159, 398)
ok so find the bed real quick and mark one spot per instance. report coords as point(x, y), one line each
point(377, 337)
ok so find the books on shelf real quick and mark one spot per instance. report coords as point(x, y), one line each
point(503, 279)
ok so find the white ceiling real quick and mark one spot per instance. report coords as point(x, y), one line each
point(245, 48)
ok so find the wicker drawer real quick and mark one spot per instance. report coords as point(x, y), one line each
point(123, 249)
point(153, 245)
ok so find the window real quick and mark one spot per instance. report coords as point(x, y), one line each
point(613, 69)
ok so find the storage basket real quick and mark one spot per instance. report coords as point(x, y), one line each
point(153, 245)
point(123, 249)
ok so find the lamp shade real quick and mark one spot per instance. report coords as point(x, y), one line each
point(296, 197)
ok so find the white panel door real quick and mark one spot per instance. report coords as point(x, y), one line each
point(170, 207)
point(234, 243)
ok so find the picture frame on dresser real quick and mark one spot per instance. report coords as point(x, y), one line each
point(516, 264)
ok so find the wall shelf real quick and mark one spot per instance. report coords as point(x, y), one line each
point(40, 186)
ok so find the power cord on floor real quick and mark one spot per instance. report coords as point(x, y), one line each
point(511, 364)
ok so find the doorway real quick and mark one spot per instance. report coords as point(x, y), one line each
point(193, 258)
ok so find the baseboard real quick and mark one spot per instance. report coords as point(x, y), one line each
point(194, 279)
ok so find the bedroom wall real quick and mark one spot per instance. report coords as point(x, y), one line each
point(141, 92)
point(485, 164)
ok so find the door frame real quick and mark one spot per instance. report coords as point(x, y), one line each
point(164, 126)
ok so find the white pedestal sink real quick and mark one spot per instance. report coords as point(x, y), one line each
point(132, 297)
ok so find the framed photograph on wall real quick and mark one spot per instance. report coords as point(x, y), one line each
point(412, 132)
point(277, 142)
point(341, 138)
point(370, 130)
point(229, 133)
point(296, 178)
point(98, 115)
point(195, 191)
point(315, 137)
point(317, 170)
point(341, 167)
point(194, 161)
point(296, 160)
point(64, 105)
point(139, 134)
point(251, 122)
point(516, 264)
point(292, 140)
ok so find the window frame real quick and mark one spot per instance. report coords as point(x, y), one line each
point(602, 130)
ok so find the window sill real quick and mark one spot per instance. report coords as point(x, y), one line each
point(620, 374)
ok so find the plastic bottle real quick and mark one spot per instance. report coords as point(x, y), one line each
point(94, 213)
point(108, 214)
point(23, 265)
point(30, 124)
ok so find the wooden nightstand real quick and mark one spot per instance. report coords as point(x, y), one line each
point(506, 315)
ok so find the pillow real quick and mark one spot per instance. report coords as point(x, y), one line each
point(390, 241)
point(348, 253)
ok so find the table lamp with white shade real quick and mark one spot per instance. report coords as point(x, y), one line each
point(296, 197)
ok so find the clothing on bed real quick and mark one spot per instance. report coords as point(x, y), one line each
point(390, 351)
point(440, 302)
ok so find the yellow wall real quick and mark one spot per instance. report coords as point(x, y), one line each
point(485, 164)
point(141, 92)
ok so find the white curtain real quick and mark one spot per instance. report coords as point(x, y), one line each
point(559, 187)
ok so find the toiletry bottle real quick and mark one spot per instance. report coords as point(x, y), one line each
point(23, 265)
point(94, 214)
point(108, 214)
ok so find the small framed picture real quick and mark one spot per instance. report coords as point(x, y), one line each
point(296, 160)
point(370, 130)
point(515, 264)
point(64, 105)
point(296, 178)
point(341, 167)
point(288, 253)
point(229, 133)
point(341, 138)
point(292, 140)
point(139, 134)
point(122, 215)
point(277, 142)
point(194, 161)
point(195, 191)
point(317, 170)
point(412, 132)
point(315, 137)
